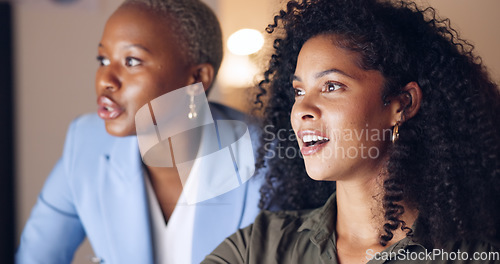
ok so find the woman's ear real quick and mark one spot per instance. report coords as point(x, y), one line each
point(202, 73)
point(407, 102)
point(412, 98)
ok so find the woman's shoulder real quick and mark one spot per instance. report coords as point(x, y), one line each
point(90, 130)
point(88, 124)
point(297, 223)
point(88, 140)
point(267, 240)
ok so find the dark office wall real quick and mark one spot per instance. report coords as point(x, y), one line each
point(7, 214)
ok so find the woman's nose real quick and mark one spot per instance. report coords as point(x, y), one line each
point(107, 79)
point(306, 109)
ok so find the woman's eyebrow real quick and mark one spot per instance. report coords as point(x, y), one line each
point(138, 46)
point(325, 72)
point(333, 70)
point(131, 46)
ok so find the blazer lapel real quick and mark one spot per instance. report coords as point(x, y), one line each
point(219, 217)
point(123, 204)
point(216, 219)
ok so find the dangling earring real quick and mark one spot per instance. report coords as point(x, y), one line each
point(395, 133)
point(192, 106)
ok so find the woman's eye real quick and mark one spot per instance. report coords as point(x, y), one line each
point(332, 86)
point(298, 92)
point(131, 62)
point(103, 61)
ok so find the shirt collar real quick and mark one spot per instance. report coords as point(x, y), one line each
point(322, 223)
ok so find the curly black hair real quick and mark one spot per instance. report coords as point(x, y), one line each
point(446, 161)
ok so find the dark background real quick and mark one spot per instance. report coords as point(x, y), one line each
point(7, 213)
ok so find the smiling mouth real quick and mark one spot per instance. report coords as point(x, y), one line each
point(312, 143)
point(313, 140)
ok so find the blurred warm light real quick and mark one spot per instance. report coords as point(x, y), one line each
point(245, 42)
point(237, 71)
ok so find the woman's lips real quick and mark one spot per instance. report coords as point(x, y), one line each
point(107, 109)
point(313, 141)
point(312, 149)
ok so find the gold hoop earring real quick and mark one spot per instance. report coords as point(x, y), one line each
point(395, 133)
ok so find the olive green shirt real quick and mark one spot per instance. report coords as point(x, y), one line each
point(309, 237)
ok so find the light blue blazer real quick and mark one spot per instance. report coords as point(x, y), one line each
point(97, 190)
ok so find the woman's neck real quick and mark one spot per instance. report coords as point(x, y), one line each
point(167, 186)
point(359, 210)
point(360, 218)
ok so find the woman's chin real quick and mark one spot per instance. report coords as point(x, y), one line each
point(317, 174)
point(118, 130)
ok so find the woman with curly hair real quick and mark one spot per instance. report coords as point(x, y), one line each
point(387, 101)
